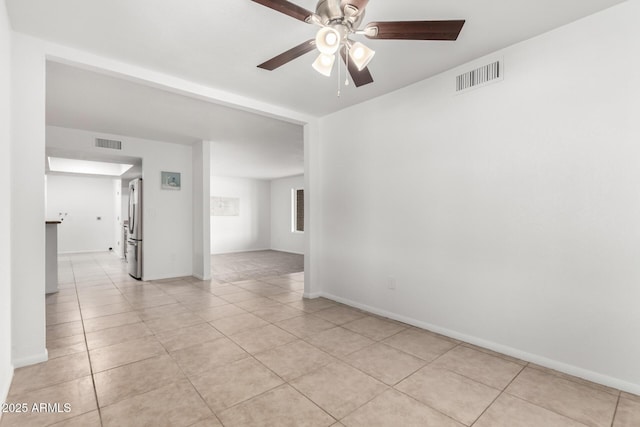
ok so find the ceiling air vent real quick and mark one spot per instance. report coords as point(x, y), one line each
point(108, 143)
point(479, 76)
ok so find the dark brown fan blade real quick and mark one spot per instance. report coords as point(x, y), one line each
point(359, 77)
point(415, 30)
point(289, 55)
point(288, 8)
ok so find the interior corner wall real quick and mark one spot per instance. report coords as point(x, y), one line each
point(87, 205)
point(167, 214)
point(282, 236)
point(508, 216)
point(27, 200)
point(6, 368)
point(251, 229)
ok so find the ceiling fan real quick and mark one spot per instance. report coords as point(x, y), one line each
point(338, 21)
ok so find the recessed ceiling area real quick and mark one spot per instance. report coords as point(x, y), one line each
point(244, 144)
point(219, 43)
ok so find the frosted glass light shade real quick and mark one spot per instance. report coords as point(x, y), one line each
point(328, 40)
point(324, 64)
point(361, 55)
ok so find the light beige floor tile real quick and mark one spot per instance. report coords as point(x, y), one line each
point(579, 402)
point(422, 344)
point(64, 330)
point(90, 419)
point(226, 290)
point(262, 339)
point(495, 353)
point(294, 359)
point(214, 313)
point(207, 356)
point(281, 407)
point(305, 326)
point(106, 310)
point(627, 414)
point(482, 367)
point(54, 371)
point(454, 395)
point(287, 297)
point(395, 409)
point(630, 396)
point(177, 339)
point(92, 302)
point(212, 421)
point(385, 363)
point(582, 381)
point(313, 305)
point(234, 324)
point(237, 297)
point(66, 346)
point(117, 335)
point(373, 327)
point(174, 321)
point(99, 323)
point(54, 318)
point(127, 352)
point(173, 405)
point(277, 313)
point(339, 314)
point(509, 411)
point(77, 393)
point(150, 302)
point(234, 383)
point(136, 378)
point(59, 307)
point(257, 304)
point(338, 388)
point(150, 313)
point(339, 341)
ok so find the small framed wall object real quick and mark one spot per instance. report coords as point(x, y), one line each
point(170, 180)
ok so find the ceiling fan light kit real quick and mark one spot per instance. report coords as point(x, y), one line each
point(341, 19)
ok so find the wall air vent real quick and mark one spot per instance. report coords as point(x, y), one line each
point(108, 143)
point(479, 77)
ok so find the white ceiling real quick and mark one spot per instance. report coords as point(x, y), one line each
point(218, 43)
point(243, 144)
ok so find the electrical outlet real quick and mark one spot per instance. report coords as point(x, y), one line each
point(391, 283)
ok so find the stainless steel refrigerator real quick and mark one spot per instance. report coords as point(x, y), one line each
point(134, 240)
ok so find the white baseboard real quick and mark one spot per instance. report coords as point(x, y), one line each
point(238, 251)
point(509, 351)
point(314, 295)
point(201, 277)
point(6, 378)
point(31, 360)
point(287, 251)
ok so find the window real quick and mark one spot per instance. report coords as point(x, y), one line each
point(297, 213)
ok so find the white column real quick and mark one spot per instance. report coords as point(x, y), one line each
point(201, 209)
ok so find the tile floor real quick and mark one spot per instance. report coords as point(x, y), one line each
point(253, 353)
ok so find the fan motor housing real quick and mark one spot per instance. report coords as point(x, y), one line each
point(332, 12)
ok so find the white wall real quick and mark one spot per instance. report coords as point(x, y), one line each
point(118, 241)
point(509, 216)
point(167, 214)
point(81, 200)
point(282, 238)
point(27, 200)
point(6, 369)
point(250, 231)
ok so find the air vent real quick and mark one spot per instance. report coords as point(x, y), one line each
point(108, 143)
point(479, 76)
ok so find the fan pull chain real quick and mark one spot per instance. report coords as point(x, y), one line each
point(346, 60)
point(339, 78)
